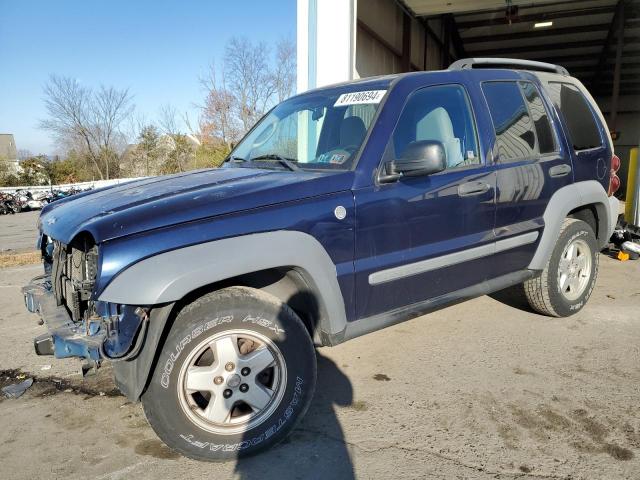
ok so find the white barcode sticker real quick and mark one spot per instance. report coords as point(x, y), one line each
point(359, 98)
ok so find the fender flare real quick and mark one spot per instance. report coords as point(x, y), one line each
point(170, 276)
point(565, 200)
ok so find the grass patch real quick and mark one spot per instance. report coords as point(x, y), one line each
point(19, 259)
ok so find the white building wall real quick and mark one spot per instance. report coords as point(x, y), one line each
point(326, 38)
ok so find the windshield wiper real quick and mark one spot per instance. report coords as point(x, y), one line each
point(235, 159)
point(290, 164)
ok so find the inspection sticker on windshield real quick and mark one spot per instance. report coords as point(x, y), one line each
point(359, 98)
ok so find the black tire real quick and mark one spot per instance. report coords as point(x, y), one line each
point(208, 317)
point(544, 293)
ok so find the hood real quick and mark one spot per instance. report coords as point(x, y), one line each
point(150, 203)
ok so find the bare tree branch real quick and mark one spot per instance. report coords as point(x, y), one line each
point(285, 68)
point(250, 81)
point(168, 119)
point(88, 120)
point(247, 86)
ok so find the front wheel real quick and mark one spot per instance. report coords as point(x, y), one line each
point(568, 278)
point(236, 373)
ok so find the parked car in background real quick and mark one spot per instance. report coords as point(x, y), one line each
point(346, 209)
point(26, 200)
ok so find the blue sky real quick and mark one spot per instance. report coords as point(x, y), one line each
point(157, 49)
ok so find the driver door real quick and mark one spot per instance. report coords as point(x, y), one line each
point(419, 238)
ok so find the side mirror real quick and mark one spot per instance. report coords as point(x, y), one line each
point(423, 157)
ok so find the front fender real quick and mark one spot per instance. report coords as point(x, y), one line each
point(170, 276)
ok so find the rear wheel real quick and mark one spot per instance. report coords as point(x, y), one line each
point(236, 373)
point(566, 283)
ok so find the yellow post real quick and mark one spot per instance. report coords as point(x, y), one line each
point(632, 196)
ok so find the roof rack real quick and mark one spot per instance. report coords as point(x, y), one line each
point(513, 63)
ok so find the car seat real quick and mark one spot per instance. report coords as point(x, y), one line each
point(436, 125)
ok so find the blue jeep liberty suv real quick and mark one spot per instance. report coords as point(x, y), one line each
point(346, 209)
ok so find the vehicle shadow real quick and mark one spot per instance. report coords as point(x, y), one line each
point(316, 448)
point(513, 297)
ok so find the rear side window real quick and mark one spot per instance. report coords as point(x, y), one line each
point(574, 107)
point(540, 117)
point(515, 137)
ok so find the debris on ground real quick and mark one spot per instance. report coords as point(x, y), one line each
point(625, 243)
point(623, 257)
point(632, 249)
point(16, 390)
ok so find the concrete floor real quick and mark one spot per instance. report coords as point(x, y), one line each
point(18, 232)
point(479, 390)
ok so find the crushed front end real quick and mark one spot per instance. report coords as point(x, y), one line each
point(78, 324)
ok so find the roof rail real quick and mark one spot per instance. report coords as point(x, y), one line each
point(512, 63)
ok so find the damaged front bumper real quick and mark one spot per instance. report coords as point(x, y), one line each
point(107, 332)
point(65, 337)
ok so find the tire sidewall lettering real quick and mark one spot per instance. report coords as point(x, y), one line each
point(258, 439)
point(211, 315)
point(169, 364)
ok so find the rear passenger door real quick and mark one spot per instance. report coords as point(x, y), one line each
point(531, 164)
point(586, 136)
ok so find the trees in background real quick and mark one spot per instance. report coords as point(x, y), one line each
point(245, 87)
point(285, 69)
point(89, 123)
point(250, 80)
point(40, 170)
point(34, 171)
point(149, 147)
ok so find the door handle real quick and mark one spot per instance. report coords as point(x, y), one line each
point(560, 170)
point(473, 188)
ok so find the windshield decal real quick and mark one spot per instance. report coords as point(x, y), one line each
point(338, 158)
point(359, 98)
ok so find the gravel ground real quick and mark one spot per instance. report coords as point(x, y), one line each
point(483, 389)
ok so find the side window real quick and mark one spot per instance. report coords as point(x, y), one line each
point(441, 113)
point(538, 112)
point(515, 138)
point(583, 129)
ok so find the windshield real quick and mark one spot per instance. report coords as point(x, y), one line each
point(322, 129)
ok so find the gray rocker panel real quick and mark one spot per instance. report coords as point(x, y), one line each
point(170, 276)
point(562, 202)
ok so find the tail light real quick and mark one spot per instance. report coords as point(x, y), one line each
point(614, 180)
